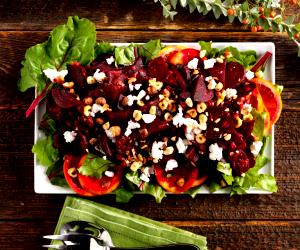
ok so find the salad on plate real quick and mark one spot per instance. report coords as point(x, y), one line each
point(150, 117)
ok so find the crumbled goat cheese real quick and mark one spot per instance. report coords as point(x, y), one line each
point(55, 75)
point(181, 146)
point(209, 63)
point(178, 119)
point(230, 93)
point(109, 173)
point(171, 164)
point(157, 150)
point(148, 118)
point(215, 152)
point(141, 94)
point(97, 108)
point(99, 76)
point(131, 99)
point(131, 125)
point(138, 86)
point(193, 64)
point(110, 60)
point(249, 74)
point(147, 97)
point(256, 147)
point(69, 136)
point(246, 109)
point(131, 87)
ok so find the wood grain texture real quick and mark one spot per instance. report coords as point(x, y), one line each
point(107, 15)
point(227, 235)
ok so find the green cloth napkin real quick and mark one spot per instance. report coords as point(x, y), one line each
point(126, 229)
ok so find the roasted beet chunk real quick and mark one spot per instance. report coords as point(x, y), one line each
point(219, 71)
point(77, 74)
point(64, 99)
point(235, 75)
point(158, 68)
point(239, 162)
point(200, 92)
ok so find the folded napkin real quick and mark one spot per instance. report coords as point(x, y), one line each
point(126, 229)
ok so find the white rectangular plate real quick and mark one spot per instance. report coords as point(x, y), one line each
point(43, 185)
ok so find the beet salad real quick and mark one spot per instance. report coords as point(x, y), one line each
point(156, 119)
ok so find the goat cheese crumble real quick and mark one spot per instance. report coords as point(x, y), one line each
point(215, 152)
point(70, 136)
point(193, 64)
point(171, 164)
point(209, 63)
point(99, 76)
point(256, 147)
point(55, 75)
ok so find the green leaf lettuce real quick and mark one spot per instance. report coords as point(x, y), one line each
point(73, 41)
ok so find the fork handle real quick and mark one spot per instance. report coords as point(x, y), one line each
point(166, 247)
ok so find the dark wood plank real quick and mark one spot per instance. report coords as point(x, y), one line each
point(227, 235)
point(14, 44)
point(108, 15)
point(18, 200)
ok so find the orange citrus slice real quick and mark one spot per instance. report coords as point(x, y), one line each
point(268, 99)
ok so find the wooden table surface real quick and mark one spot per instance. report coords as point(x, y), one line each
point(250, 221)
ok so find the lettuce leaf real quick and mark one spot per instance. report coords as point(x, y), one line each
point(46, 154)
point(246, 58)
point(94, 166)
point(259, 124)
point(253, 179)
point(124, 55)
point(123, 195)
point(73, 41)
point(210, 51)
point(150, 49)
point(104, 48)
point(153, 189)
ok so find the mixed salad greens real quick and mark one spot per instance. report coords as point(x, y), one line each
point(149, 117)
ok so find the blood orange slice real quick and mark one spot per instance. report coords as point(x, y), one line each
point(268, 99)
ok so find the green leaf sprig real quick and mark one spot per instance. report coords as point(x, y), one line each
point(258, 15)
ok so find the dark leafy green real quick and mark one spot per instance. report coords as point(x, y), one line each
point(246, 58)
point(150, 49)
point(124, 55)
point(155, 190)
point(207, 46)
point(104, 48)
point(123, 195)
point(73, 41)
point(46, 154)
point(259, 124)
point(94, 166)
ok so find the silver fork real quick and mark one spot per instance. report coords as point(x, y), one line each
point(85, 235)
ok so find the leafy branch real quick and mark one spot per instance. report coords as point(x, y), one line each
point(259, 15)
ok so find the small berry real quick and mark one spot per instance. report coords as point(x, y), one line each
point(230, 12)
point(253, 29)
point(259, 28)
point(261, 9)
point(296, 35)
point(245, 21)
point(272, 13)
